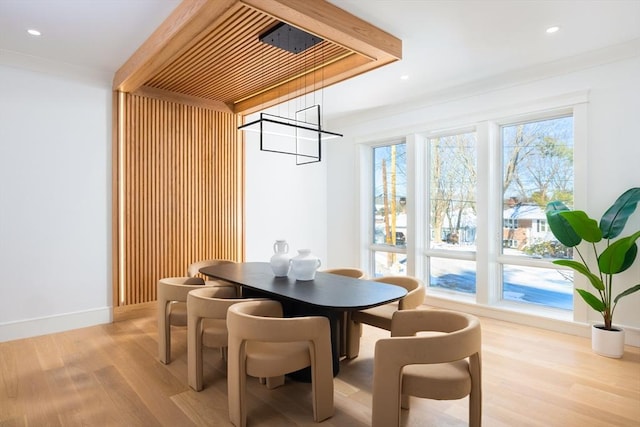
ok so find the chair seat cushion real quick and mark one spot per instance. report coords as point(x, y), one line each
point(268, 359)
point(214, 333)
point(379, 317)
point(441, 381)
point(178, 314)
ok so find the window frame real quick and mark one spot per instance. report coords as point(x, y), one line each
point(429, 252)
point(511, 260)
point(367, 200)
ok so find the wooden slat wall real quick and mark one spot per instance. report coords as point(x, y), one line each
point(182, 192)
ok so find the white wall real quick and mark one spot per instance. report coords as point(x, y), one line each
point(283, 201)
point(55, 205)
point(612, 158)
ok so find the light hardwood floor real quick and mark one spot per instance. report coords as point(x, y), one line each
point(109, 375)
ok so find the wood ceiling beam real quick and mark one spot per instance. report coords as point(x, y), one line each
point(329, 22)
point(181, 29)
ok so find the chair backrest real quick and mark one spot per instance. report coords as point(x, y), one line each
point(177, 288)
point(263, 321)
point(356, 273)
point(194, 269)
point(460, 333)
point(211, 302)
point(414, 286)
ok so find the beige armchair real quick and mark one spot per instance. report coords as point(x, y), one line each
point(206, 326)
point(380, 317)
point(172, 309)
point(443, 364)
point(262, 344)
point(194, 271)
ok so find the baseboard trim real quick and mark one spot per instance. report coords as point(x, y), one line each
point(28, 328)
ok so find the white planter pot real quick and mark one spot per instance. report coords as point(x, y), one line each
point(607, 343)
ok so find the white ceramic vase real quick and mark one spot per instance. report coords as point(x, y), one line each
point(280, 259)
point(607, 343)
point(304, 265)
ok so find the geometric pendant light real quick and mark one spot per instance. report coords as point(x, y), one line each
point(301, 135)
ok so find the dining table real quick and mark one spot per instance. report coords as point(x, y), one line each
point(329, 295)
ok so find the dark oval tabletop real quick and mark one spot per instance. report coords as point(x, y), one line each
point(329, 291)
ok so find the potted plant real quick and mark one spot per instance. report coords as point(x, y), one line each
point(571, 227)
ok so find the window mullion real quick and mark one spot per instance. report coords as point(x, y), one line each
point(485, 235)
point(416, 204)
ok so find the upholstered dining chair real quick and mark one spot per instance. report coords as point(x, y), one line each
point(380, 316)
point(207, 326)
point(262, 344)
point(356, 273)
point(194, 271)
point(172, 309)
point(442, 363)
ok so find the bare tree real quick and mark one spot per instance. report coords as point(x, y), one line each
point(539, 161)
point(453, 183)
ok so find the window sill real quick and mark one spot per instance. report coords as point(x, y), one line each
point(536, 316)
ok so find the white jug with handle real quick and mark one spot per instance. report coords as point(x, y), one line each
point(304, 265)
point(280, 260)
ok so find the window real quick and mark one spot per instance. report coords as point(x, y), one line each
point(389, 209)
point(511, 223)
point(475, 228)
point(452, 167)
point(537, 167)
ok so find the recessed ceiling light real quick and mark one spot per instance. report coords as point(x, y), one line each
point(404, 77)
point(553, 29)
point(33, 32)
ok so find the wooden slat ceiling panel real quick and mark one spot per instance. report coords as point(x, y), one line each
point(230, 64)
